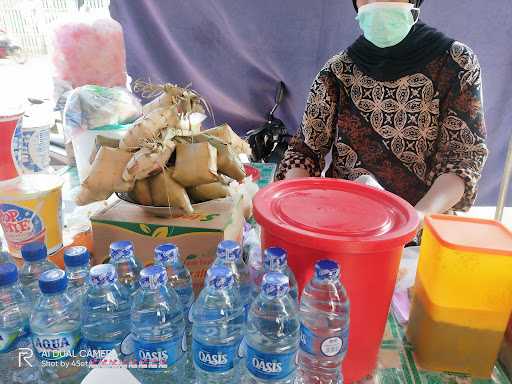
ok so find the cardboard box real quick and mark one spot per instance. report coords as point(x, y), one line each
point(197, 236)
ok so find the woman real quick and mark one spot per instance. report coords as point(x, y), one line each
point(403, 104)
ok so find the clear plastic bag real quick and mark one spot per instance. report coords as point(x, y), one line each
point(91, 111)
point(93, 107)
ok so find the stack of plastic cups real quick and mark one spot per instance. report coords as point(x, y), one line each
point(11, 116)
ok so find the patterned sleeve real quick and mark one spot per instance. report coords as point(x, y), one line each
point(314, 138)
point(461, 146)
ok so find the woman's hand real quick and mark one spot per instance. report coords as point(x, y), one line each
point(445, 193)
point(296, 173)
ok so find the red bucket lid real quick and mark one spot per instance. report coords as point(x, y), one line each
point(335, 215)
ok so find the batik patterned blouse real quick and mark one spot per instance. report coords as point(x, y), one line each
point(405, 133)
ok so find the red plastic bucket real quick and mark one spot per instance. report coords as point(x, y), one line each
point(362, 228)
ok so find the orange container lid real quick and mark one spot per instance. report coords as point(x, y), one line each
point(471, 234)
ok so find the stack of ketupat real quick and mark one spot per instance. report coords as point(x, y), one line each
point(163, 162)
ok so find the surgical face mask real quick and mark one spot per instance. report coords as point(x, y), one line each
point(386, 24)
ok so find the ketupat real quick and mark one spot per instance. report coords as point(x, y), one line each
point(226, 134)
point(207, 192)
point(166, 192)
point(201, 160)
point(103, 141)
point(190, 102)
point(228, 162)
point(149, 127)
point(141, 192)
point(196, 164)
point(168, 96)
point(86, 196)
point(230, 165)
point(162, 101)
point(149, 160)
point(187, 100)
point(105, 176)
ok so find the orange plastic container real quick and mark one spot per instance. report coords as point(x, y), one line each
point(463, 294)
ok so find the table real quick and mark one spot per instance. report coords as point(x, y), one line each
point(396, 359)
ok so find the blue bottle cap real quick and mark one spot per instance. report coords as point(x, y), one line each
point(5, 257)
point(275, 284)
point(102, 275)
point(8, 274)
point(153, 277)
point(229, 250)
point(53, 281)
point(76, 256)
point(219, 277)
point(34, 251)
point(327, 270)
point(166, 252)
point(121, 249)
point(275, 258)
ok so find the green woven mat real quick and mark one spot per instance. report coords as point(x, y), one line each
point(397, 365)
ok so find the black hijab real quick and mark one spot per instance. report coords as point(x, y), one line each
point(355, 3)
point(422, 45)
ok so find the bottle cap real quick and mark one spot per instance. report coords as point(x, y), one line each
point(219, 277)
point(166, 252)
point(275, 258)
point(229, 250)
point(34, 251)
point(8, 274)
point(121, 249)
point(5, 257)
point(275, 284)
point(53, 281)
point(153, 277)
point(76, 256)
point(327, 270)
point(104, 274)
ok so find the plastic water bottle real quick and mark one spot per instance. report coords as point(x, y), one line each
point(179, 279)
point(158, 329)
point(5, 257)
point(14, 331)
point(229, 255)
point(55, 325)
point(324, 311)
point(76, 260)
point(272, 335)
point(127, 265)
point(35, 256)
point(253, 255)
point(105, 316)
point(218, 326)
point(276, 260)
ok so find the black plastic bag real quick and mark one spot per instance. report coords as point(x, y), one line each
point(270, 141)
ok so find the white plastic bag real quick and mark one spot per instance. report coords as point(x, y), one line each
point(370, 181)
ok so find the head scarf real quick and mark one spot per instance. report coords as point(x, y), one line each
point(355, 3)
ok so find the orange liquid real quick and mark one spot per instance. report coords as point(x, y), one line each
point(441, 346)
